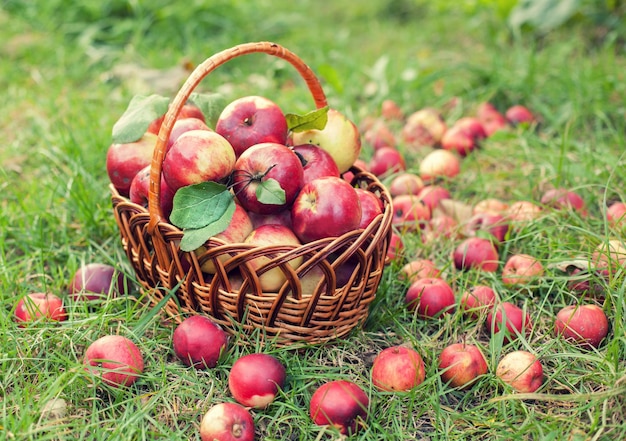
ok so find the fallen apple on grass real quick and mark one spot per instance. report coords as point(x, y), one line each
point(464, 136)
point(199, 342)
point(490, 205)
point(115, 359)
point(461, 364)
point(254, 380)
point(37, 305)
point(478, 300)
point(564, 199)
point(387, 161)
point(439, 164)
point(496, 225)
point(431, 195)
point(510, 317)
point(491, 118)
point(523, 211)
point(616, 215)
point(419, 269)
point(518, 114)
point(585, 325)
point(227, 422)
point(96, 280)
point(424, 128)
point(476, 253)
point(341, 404)
point(430, 297)
point(521, 370)
point(409, 213)
point(521, 269)
point(398, 369)
point(405, 183)
point(395, 249)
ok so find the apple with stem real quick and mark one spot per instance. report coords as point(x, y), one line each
point(115, 359)
point(36, 305)
point(199, 342)
point(252, 120)
point(521, 370)
point(586, 325)
point(341, 404)
point(398, 368)
point(254, 380)
point(461, 364)
point(430, 297)
point(227, 422)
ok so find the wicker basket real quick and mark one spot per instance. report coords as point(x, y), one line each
point(324, 298)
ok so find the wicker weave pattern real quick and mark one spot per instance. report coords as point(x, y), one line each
point(319, 300)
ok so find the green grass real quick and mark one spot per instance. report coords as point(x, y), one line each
point(61, 100)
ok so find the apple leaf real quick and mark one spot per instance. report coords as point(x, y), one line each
point(134, 122)
point(200, 205)
point(211, 105)
point(270, 192)
point(195, 237)
point(315, 120)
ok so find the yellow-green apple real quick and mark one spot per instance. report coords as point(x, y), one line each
point(496, 225)
point(340, 137)
point(140, 189)
point(341, 404)
point(325, 207)
point(523, 211)
point(115, 359)
point(391, 111)
point(586, 325)
point(521, 370)
point(398, 368)
point(227, 422)
point(562, 198)
point(464, 136)
point(405, 183)
point(430, 297)
point(188, 110)
point(419, 268)
point(510, 317)
point(519, 114)
point(616, 215)
point(184, 125)
point(424, 128)
point(125, 160)
point(260, 163)
point(239, 227)
point(95, 280)
point(371, 206)
point(316, 162)
point(477, 300)
point(252, 120)
point(490, 205)
point(199, 342)
point(461, 364)
point(521, 269)
point(491, 118)
point(432, 194)
point(198, 156)
point(36, 305)
point(476, 253)
point(439, 163)
point(409, 213)
point(386, 161)
point(280, 238)
point(255, 379)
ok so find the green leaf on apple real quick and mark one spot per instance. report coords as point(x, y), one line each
point(270, 192)
point(134, 122)
point(314, 120)
point(195, 237)
point(211, 105)
point(200, 205)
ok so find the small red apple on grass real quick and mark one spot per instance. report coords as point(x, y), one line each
point(497, 225)
point(476, 253)
point(432, 194)
point(380, 135)
point(510, 317)
point(37, 305)
point(227, 422)
point(519, 114)
point(398, 368)
point(461, 364)
point(491, 118)
point(523, 211)
point(96, 280)
point(586, 325)
point(255, 380)
point(115, 359)
point(386, 161)
point(464, 136)
point(490, 205)
point(391, 111)
point(424, 128)
point(562, 198)
point(419, 269)
point(478, 300)
point(339, 403)
point(409, 213)
point(405, 183)
point(521, 269)
point(616, 215)
point(199, 342)
point(430, 297)
point(395, 249)
point(521, 370)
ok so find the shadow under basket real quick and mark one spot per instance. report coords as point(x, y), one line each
point(323, 290)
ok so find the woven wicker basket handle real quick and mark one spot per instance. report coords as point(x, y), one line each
point(208, 66)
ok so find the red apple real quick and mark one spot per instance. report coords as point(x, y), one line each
point(263, 162)
point(395, 249)
point(124, 161)
point(592, 283)
point(188, 110)
point(227, 422)
point(390, 110)
point(585, 325)
point(140, 189)
point(476, 253)
point(255, 379)
point(424, 127)
point(491, 119)
point(252, 120)
point(398, 368)
point(38, 304)
point(184, 125)
point(521, 269)
point(317, 162)
point(282, 239)
point(478, 300)
point(114, 358)
point(419, 269)
point(461, 364)
point(616, 215)
point(199, 342)
point(519, 114)
point(521, 370)
point(379, 135)
point(515, 321)
point(198, 156)
point(431, 195)
point(439, 164)
point(464, 136)
point(280, 218)
point(371, 206)
point(340, 137)
point(339, 403)
point(495, 225)
point(405, 183)
point(386, 161)
point(325, 207)
point(409, 213)
point(430, 297)
point(95, 280)
point(441, 225)
point(561, 198)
